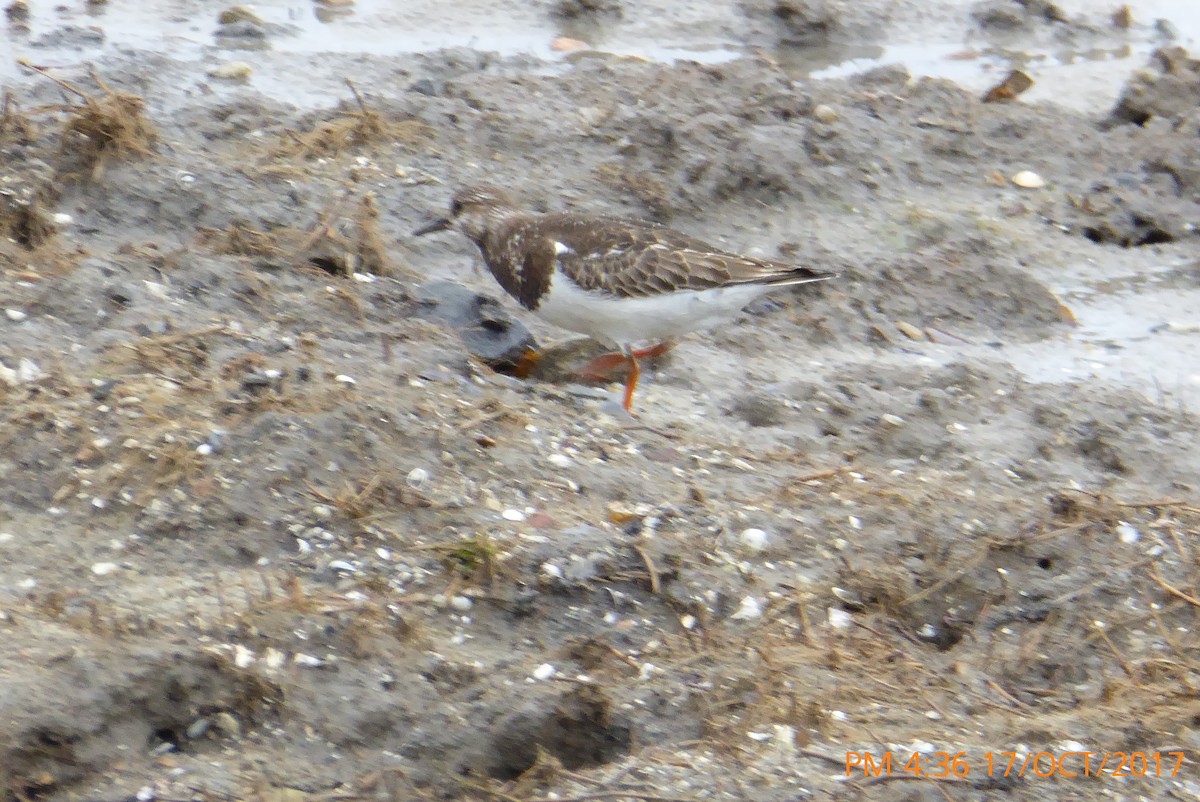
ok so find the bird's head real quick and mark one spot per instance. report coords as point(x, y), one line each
point(473, 211)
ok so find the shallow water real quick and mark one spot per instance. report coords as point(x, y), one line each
point(1088, 77)
point(1139, 329)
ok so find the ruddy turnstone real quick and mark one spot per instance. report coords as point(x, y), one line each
point(619, 281)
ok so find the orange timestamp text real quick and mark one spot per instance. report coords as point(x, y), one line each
point(940, 765)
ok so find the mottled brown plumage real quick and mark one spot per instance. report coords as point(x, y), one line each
point(621, 257)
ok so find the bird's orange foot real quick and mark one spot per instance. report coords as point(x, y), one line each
point(602, 367)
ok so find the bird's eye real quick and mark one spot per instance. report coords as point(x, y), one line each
point(455, 208)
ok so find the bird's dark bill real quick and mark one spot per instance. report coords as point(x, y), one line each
point(437, 225)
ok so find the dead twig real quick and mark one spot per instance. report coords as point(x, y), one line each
point(650, 569)
point(1174, 591)
point(1113, 648)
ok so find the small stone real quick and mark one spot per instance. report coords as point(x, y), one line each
point(754, 539)
point(322, 512)
point(344, 379)
point(838, 618)
point(559, 460)
point(544, 672)
point(417, 478)
point(565, 44)
point(424, 86)
point(28, 371)
point(227, 724)
point(824, 113)
point(204, 449)
point(1027, 179)
point(197, 728)
point(237, 14)
point(749, 609)
point(15, 315)
point(759, 409)
point(461, 603)
point(232, 71)
point(103, 569)
point(1127, 533)
point(513, 515)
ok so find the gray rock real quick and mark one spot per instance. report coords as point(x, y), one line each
point(488, 331)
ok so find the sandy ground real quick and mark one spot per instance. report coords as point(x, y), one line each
point(271, 528)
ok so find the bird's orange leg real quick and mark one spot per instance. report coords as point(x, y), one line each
point(631, 380)
point(602, 366)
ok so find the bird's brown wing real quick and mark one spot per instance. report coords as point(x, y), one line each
point(630, 258)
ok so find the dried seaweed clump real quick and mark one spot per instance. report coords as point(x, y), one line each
point(109, 126)
point(340, 242)
point(14, 125)
point(23, 221)
point(352, 129)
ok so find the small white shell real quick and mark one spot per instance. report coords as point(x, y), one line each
point(749, 609)
point(1027, 179)
point(838, 618)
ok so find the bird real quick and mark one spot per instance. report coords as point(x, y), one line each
point(621, 281)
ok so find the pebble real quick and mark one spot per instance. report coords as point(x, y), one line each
point(423, 86)
point(559, 460)
point(1027, 179)
point(838, 618)
point(754, 539)
point(824, 113)
point(417, 478)
point(461, 603)
point(103, 569)
point(760, 409)
point(15, 315)
point(1127, 533)
point(226, 723)
point(232, 71)
point(749, 609)
point(486, 328)
point(512, 515)
point(544, 671)
point(344, 379)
